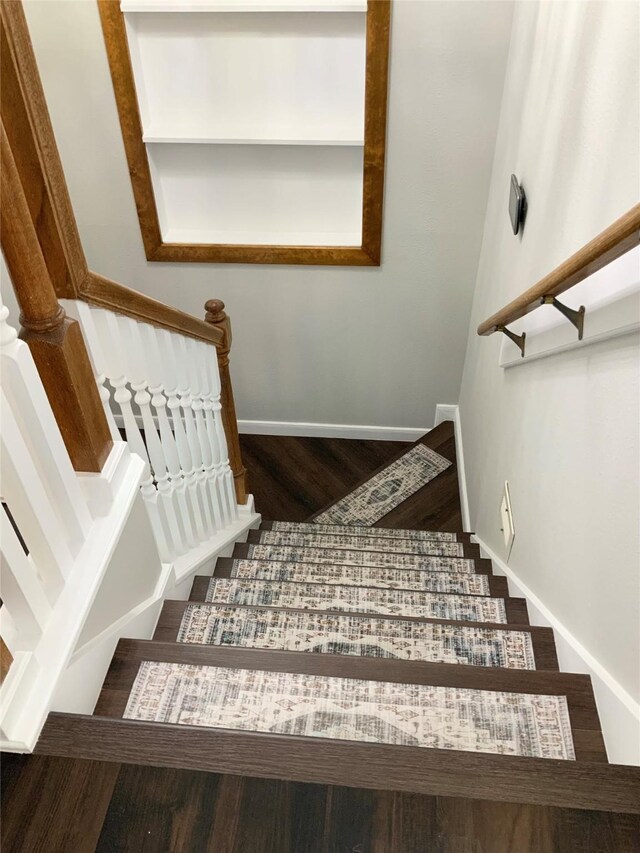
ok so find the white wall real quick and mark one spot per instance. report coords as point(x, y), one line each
point(563, 431)
point(323, 344)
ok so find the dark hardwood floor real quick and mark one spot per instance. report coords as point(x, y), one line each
point(294, 478)
point(52, 805)
point(291, 478)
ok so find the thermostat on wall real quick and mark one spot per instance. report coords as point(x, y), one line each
point(517, 205)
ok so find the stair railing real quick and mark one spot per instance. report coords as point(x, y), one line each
point(163, 389)
point(163, 375)
point(620, 237)
point(49, 568)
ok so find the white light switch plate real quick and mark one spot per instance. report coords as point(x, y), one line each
point(506, 520)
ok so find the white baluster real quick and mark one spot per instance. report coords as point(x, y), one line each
point(35, 514)
point(94, 346)
point(139, 370)
point(184, 393)
point(168, 353)
point(24, 390)
point(225, 467)
point(208, 474)
point(217, 473)
point(173, 484)
point(22, 592)
point(108, 332)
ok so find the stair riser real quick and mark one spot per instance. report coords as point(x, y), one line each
point(570, 784)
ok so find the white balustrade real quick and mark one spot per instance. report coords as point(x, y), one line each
point(23, 598)
point(38, 481)
point(167, 398)
point(56, 544)
point(41, 492)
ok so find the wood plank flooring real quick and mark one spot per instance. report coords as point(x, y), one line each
point(294, 478)
point(74, 806)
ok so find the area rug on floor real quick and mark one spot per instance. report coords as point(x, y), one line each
point(379, 532)
point(338, 556)
point(386, 489)
point(390, 602)
point(352, 709)
point(437, 642)
point(353, 542)
point(465, 583)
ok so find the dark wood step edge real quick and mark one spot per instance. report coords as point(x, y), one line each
point(471, 551)
point(498, 585)
point(568, 784)
point(516, 608)
point(542, 638)
point(354, 531)
point(482, 566)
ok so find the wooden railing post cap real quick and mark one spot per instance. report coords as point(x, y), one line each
point(215, 311)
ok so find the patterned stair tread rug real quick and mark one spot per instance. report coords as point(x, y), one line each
point(338, 556)
point(353, 542)
point(391, 602)
point(281, 630)
point(534, 726)
point(463, 583)
point(378, 532)
point(387, 489)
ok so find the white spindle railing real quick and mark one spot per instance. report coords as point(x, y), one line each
point(49, 566)
point(61, 531)
point(166, 396)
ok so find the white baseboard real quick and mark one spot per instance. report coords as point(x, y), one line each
point(311, 430)
point(619, 712)
point(446, 412)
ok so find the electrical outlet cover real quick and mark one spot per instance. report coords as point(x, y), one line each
point(506, 519)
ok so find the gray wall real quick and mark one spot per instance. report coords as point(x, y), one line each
point(564, 430)
point(329, 345)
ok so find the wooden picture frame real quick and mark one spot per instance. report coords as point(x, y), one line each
point(376, 82)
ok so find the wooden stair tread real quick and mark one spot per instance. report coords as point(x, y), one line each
point(390, 532)
point(572, 784)
point(516, 608)
point(542, 638)
point(585, 725)
point(119, 679)
point(470, 550)
point(498, 585)
point(481, 564)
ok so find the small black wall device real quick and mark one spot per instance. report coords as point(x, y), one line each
point(517, 205)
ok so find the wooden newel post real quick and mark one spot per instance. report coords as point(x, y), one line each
point(55, 341)
point(217, 316)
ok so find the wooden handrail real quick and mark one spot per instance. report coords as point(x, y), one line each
point(100, 291)
point(610, 244)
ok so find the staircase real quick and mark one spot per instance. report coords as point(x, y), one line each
point(356, 655)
